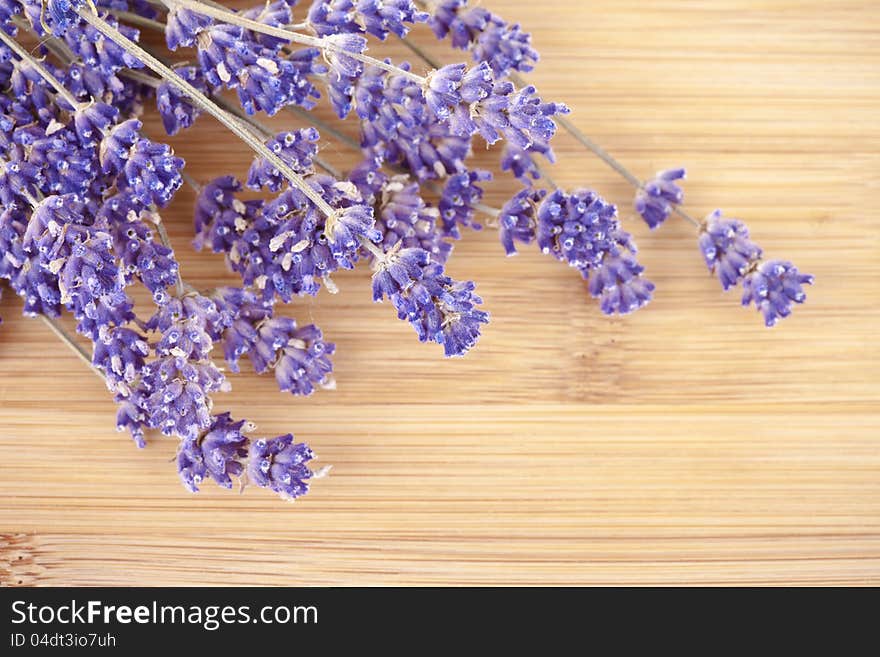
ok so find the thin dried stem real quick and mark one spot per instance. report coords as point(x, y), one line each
point(70, 342)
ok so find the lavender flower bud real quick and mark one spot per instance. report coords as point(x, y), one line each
point(457, 201)
point(398, 270)
point(440, 309)
point(518, 221)
point(619, 285)
point(377, 17)
point(490, 38)
point(773, 287)
point(119, 353)
point(176, 110)
point(152, 172)
point(344, 70)
point(178, 402)
point(297, 149)
point(218, 454)
point(727, 249)
point(183, 26)
point(577, 228)
point(91, 121)
point(654, 201)
point(405, 219)
point(61, 15)
point(279, 464)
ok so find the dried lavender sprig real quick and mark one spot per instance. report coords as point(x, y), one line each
point(569, 127)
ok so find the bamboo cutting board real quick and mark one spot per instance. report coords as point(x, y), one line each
point(685, 444)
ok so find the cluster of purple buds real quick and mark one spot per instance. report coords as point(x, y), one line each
point(440, 309)
point(772, 286)
point(254, 65)
point(657, 197)
point(376, 17)
point(399, 129)
point(582, 230)
point(402, 215)
point(224, 451)
point(490, 38)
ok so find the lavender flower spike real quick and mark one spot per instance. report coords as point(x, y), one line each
point(619, 285)
point(218, 453)
point(654, 201)
point(440, 309)
point(280, 464)
point(773, 287)
point(727, 249)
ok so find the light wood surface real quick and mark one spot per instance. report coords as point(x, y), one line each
point(686, 444)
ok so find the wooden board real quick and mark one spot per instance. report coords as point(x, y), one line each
point(686, 444)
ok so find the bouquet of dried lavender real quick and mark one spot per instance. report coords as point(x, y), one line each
point(82, 189)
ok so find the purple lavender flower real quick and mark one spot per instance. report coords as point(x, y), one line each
point(218, 453)
point(440, 309)
point(62, 14)
point(116, 145)
point(398, 271)
point(187, 325)
point(299, 356)
point(176, 110)
point(344, 230)
point(9, 9)
point(297, 149)
point(773, 287)
point(398, 127)
point(120, 354)
point(182, 26)
point(152, 172)
point(727, 249)
point(220, 217)
point(578, 228)
point(140, 255)
point(654, 201)
point(91, 121)
point(344, 70)
point(518, 220)
point(328, 17)
point(86, 84)
point(99, 53)
point(451, 90)
point(130, 416)
point(178, 401)
point(404, 218)
point(583, 230)
point(619, 285)
point(280, 465)
point(65, 167)
point(521, 163)
point(88, 271)
point(252, 64)
point(377, 17)
point(521, 116)
point(244, 314)
point(460, 194)
point(504, 47)
point(113, 309)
